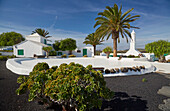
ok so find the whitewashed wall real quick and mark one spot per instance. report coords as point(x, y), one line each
point(90, 52)
point(29, 49)
point(34, 38)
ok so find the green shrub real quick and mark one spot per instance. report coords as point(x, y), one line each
point(144, 80)
point(131, 56)
point(64, 56)
point(71, 56)
point(52, 53)
point(41, 66)
point(6, 50)
point(13, 56)
point(85, 56)
point(77, 87)
point(54, 67)
point(0, 54)
point(72, 86)
point(3, 58)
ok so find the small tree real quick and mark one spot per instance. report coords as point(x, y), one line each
point(93, 40)
point(10, 38)
point(68, 44)
point(47, 50)
point(107, 50)
point(73, 86)
point(56, 45)
point(159, 48)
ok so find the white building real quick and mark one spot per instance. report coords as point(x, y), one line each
point(32, 45)
point(79, 52)
point(133, 50)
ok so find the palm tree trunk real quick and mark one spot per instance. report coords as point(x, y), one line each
point(94, 46)
point(114, 47)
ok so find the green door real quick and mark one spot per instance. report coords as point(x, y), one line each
point(84, 52)
point(20, 52)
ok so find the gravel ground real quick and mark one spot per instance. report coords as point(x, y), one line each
point(131, 94)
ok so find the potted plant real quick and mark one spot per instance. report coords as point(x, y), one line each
point(107, 50)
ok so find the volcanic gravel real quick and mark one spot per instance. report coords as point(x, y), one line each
point(131, 94)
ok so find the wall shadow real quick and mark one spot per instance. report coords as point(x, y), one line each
point(123, 102)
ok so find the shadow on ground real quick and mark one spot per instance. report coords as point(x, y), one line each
point(123, 102)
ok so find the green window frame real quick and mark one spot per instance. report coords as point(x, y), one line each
point(59, 53)
point(45, 41)
point(20, 51)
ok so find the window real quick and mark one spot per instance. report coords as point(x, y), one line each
point(60, 53)
point(20, 52)
point(78, 51)
point(45, 41)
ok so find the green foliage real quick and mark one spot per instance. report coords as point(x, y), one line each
point(159, 48)
point(41, 66)
point(77, 86)
point(47, 49)
point(131, 56)
point(71, 56)
point(3, 58)
point(64, 56)
point(6, 57)
point(54, 67)
point(56, 45)
point(93, 40)
point(0, 53)
point(6, 50)
point(107, 50)
point(52, 53)
point(112, 22)
point(68, 44)
point(41, 32)
point(72, 86)
point(144, 80)
point(10, 38)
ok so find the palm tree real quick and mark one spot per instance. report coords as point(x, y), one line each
point(93, 40)
point(112, 23)
point(41, 32)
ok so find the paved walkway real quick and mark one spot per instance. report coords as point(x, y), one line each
point(165, 90)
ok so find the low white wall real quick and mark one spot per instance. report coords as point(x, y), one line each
point(7, 53)
point(23, 66)
point(162, 67)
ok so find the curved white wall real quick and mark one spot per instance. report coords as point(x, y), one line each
point(23, 66)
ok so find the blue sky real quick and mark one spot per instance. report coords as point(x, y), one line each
point(76, 18)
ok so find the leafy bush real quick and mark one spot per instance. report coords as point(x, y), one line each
point(131, 56)
point(144, 80)
point(41, 66)
point(85, 56)
point(64, 56)
point(77, 87)
point(13, 56)
point(54, 67)
point(6, 50)
point(0, 54)
point(3, 58)
point(71, 56)
point(52, 53)
point(72, 86)
point(107, 50)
